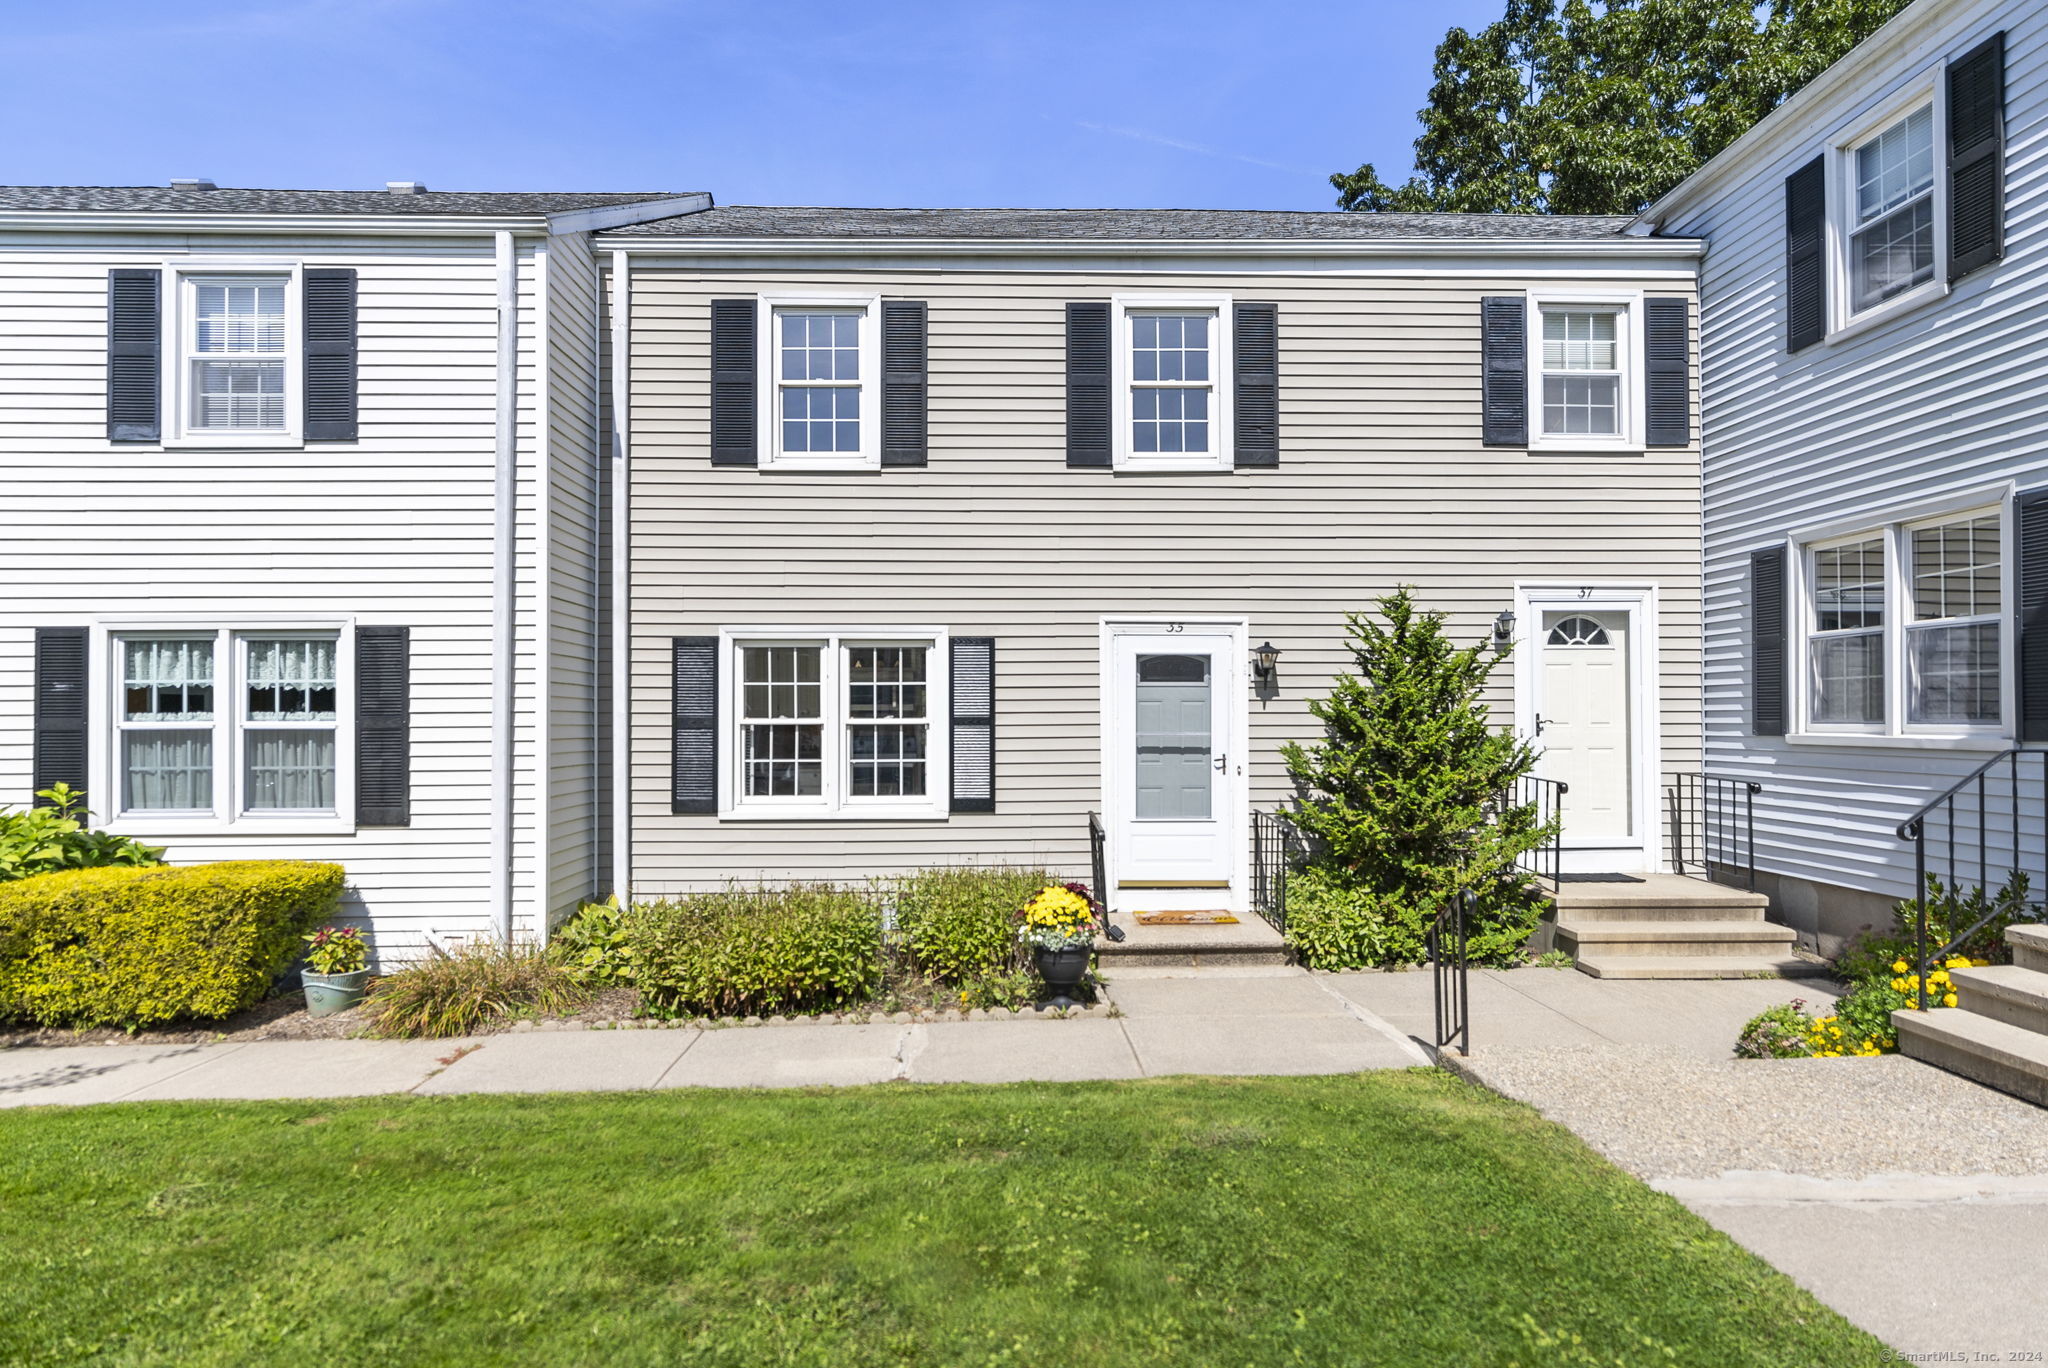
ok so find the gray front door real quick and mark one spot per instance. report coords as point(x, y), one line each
point(1174, 788)
point(1175, 754)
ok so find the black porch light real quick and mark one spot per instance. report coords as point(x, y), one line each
point(1504, 629)
point(1266, 665)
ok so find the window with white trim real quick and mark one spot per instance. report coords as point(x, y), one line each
point(1172, 360)
point(1905, 628)
point(837, 724)
point(237, 353)
point(1890, 228)
point(1583, 371)
point(819, 407)
point(266, 745)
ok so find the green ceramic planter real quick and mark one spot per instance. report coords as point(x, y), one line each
point(327, 994)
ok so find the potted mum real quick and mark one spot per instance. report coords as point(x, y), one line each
point(337, 970)
point(1059, 926)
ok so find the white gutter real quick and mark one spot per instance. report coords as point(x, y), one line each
point(504, 573)
point(653, 246)
point(622, 637)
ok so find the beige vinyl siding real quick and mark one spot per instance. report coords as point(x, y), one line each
point(394, 528)
point(1942, 400)
point(1382, 481)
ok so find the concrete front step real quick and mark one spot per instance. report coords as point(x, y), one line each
point(2029, 946)
point(1689, 939)
point(2004, 992)
point(2007, 1057)
point(1643, 896)
point(1699, 966)
point(1581, 914)
point(1245, 942)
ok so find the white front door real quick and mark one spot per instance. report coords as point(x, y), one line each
point(1174, 784)
point(1584, 721)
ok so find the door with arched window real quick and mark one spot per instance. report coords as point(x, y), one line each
point(1584, 720)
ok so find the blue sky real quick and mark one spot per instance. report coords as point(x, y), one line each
point(1189, 103)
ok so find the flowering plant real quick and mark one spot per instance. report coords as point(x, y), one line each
point(1057, 917)
point(336, 950)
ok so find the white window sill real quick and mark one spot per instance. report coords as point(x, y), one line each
point(1963, 741)
point(261, 441)
point(1139, 465)
point(773, 467)
point(1881, 314)
point(150, 828)
point(1567, 446)
point(844, 814)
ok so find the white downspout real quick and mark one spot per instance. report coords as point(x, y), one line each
point(504, 582)
point(622, 636)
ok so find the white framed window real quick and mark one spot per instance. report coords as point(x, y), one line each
point(1903, 631)
point(835, 722)
point(1887, 205)
point(820, 385)
point(1171, 372)
point(235, 343)
point(1585, 369)
point(228, 726)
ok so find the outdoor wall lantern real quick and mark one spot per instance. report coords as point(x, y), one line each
point(1504, 630)
point(1266, 668)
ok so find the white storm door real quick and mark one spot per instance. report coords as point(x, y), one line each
point(1584, 721)
point(1175, 788)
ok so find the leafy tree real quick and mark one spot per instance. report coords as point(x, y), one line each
point(1402, 797)
point(1578, 108)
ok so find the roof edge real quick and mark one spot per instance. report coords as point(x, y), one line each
point(1624, 246)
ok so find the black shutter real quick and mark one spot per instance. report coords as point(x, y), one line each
point(60, 711)
point(973, 707)
point(734, 419)
point(1255, 398)
point(1667, 352)
point(904, 382)
point(1806, 286)
point(134, 341)
point(1088, 384)
point(1504, 350)
point(383, 726)
point(693, 713)
point(2031, 517)
point(1767, 651)
point(329, 299)
point(1976, 157)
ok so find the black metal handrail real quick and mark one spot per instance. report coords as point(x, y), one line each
point(1447, 965)
point(1098, 866)
point(1713, 823)
point(1547, 796)
point(1277, 850)
point(1968, 809)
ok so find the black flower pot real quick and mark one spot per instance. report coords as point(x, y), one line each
point(1062, 971)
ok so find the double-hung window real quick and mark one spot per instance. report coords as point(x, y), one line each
point(1585, 369)
point(237, 355)
point(227, 725)
point(1904, 628)
point(837, 723)
point(819, 403)
point(1891, 208)
point(1172, 357)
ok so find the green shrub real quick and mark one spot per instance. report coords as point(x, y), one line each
point(47, 840)
point(594, 944)
point(960, 924)
point(803, 948)
point(132, 947)
point(1334, 922)
point(480, 986)
point(1781, 1032)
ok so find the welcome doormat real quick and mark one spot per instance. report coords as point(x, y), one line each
point(1205, 918)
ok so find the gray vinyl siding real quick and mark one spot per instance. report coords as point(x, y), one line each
point(1383, 480)
point(1942, 400)
point(394, 528)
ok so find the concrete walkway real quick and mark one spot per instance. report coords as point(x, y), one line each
point(1253, 1021)
point(1910, 1200)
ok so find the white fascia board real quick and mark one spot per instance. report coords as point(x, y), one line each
point(619, 215)
point(1628, 248)
point(1801, 114)
point(295, 225)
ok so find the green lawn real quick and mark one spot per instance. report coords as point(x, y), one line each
point(1390, 1218)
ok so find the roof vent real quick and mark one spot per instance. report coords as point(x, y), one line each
point(406, 187)
point(192, 183)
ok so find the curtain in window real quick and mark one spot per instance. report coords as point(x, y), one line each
point(291, 681)
point(289, 771)
point(167, 771)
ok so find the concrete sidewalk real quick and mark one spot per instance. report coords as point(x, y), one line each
point(1256, 1022)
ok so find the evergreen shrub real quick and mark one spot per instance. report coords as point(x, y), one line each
point(133, 947)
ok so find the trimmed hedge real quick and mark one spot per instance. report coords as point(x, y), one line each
point(803, 948)
point(133, 947)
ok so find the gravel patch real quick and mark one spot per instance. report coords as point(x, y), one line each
point(1666, 1114)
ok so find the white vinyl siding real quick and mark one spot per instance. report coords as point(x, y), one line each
point(1928, 406)
point(1383, 480)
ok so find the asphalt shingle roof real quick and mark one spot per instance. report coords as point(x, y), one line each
point(138, 199)
point(754, 221)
